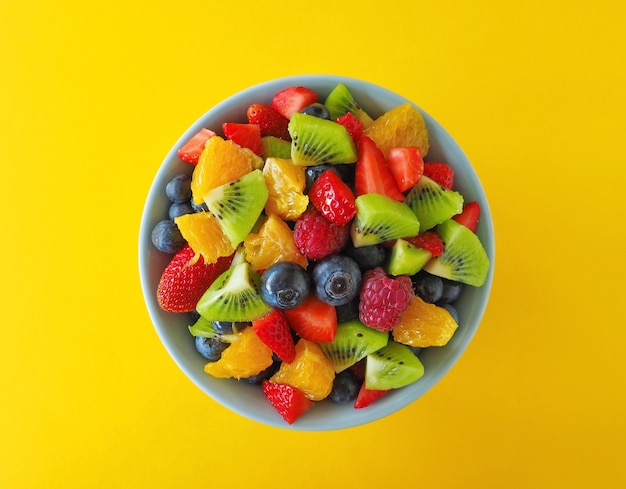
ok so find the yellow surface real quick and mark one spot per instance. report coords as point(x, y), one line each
point(92, 96)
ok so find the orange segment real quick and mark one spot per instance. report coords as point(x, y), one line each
point(311, 371)
point(400, 127)
point(221, 162)
point(424, 324)
point(285, 183)
point(273, 243)
point(243, 358)
point(205, 236)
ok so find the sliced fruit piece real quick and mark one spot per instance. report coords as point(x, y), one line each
point(205, 329)
point(353, 125)
point(273, 243)
point(406, 259)
point(244, 358)
point(372, 174)
point(291, 403)
point(221, 161)
point(315, 141)
point(190, 151)
point(353, 342)
point(204, 234)
point(341, 101)
point(270, 122)
point(469, 216)
point(367, 396)
point(234, 296)
point(406, 166)
point(441, 173)
point(392, 367)
point(333, 198)
point(432, 203)
point(313, 320)
point(380, 218)
point(428, 240)
point(311, 371)
point(292, 100)
point(276, 147)
point(238, 205)
point(245, 135)
point(399, 127)
point(463, 259)
point(285, 183)
point(275, 333)
point(424, 325)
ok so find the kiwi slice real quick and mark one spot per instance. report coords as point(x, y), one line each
point(407, 259)
point(204, 328)
point(234, 296)
point(238, 205)
point(432, 203)
point(340, 101)
point(315, 141)
point(380, 218)
point(353, 342)
point(392, 367)
point(464, 258)
point(276, 147)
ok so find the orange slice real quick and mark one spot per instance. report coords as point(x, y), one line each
point(205, 236)
point(424, 324)
point(285, 183)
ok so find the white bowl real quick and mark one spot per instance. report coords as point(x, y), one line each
point(248, 400)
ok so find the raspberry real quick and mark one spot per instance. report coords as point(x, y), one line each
point(384, 299)
point(317, 237)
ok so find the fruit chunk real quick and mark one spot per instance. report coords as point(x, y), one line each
point(190, 151)
point(470, 216)
point(311, 371)
point(353, 125)
point(315, 141)
point(292, 100)
point(424, 325)
point(440, 173)
point(432, 203)
point(291, 403)
point(274, 331)
point(333, 198)
point(270, 122)
point(463, 259)
point(407, 259)
point(285, 183)
point(367, 396)
point(317, 237)
point(372, 174)
point(313, 320)
point(341, 101)
point(205, 235)
point(406, 165)
point(276, 147)
point(392, 367)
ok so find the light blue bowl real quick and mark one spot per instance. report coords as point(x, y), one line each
point(248, 400)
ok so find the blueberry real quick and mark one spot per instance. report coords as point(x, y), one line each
point(345, 388)
point(337, 279)
point(264, 375)
point(210, 348)
point(451, 291)
point(367, 257)
point(317, 110)
point(453, 311)
point(344, 171)
point(179, 188)
point(227, 327)
point(201, 207)
point(428, 287)
point(348, 311)
point(166, 237)
point(179, 209)
point(285, 285)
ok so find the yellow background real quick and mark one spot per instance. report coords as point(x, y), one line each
point(93, 94)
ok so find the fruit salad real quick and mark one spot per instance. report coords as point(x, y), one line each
point(317, 250)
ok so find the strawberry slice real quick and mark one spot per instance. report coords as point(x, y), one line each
point(191, 150)
point(406, 165)
point(292, 99)
point(270, 121)
point(372, 174)
point(367, 396)
point(274, 331)
point(290, 402)
point(470, 216)
point(429, 241)
point(440, 173)
point(313, 320)
point(352, 124)
point(184, 281)
point(333, 198)
point(245, 135)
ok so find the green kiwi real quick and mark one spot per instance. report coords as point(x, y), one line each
point(204, 328)
point(392, 367)
point(238, 205)
point(406, 259)
point(464, 258)
point(380, 218)
point(276, 147)
point(353, 342)
point(432, 203)
point(340, 101)
point(315, 141)
point(234, 296)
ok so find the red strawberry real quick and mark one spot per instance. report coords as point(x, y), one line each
point(270, 121)
point(245, 135)
point(372, 174)
point(292, 99)
point(184, 281)
point(274, 331)
point(333, 198)
point(470, 216)
point(429, 241)
point(313, 320)
point(406, 165)
point(191, 150)
point(440, 173)
point(367, 396)
point(290, 402)
point(352, 124)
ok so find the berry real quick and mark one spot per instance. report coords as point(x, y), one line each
point(352, 124)
point(269, 121)
point(179, 209)
point(313, 320)
point(316, 237)
point(166, 237)
point(451, 291)
point(428, 287)
point(285, 285)
point(406, 165)
point(348, 311)
point(292, 99)
point(178, 189)
point(453, 312)
point(469, 216)
point(245, 135)
point(264, 375)
point(290, 402)
point(429, 241)
point(210, 348)
point(366, 396)
point(384, 299)
point(275, 333)
point(372, 174)
point(228, 327)
point(333, 198)
point(312, 173)
point(190, 151)
point(345, 388)
point(337, 279)
point(367, 257)
point(440, 173)
point(317, 110)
